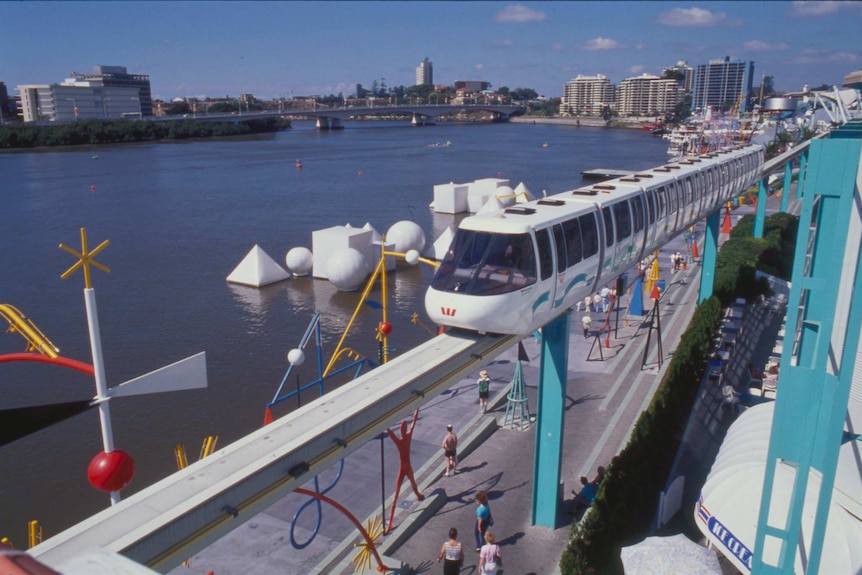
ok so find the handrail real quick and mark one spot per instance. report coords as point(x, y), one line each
point(36, 340)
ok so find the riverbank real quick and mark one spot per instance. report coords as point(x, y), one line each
point(588, 121)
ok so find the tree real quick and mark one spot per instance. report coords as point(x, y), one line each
point(178, 108)
point(524, 94)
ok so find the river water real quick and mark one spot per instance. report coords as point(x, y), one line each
point(180, 217)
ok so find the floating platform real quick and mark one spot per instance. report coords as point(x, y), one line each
point(605, 174)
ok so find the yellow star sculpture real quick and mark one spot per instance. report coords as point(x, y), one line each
point(85, 259)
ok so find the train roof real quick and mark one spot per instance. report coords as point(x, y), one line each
point(521, 218)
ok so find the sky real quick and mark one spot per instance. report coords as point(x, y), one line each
point(296, 48)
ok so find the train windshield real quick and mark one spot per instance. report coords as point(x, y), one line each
point(484, 263)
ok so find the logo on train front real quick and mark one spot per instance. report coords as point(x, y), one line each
point(450, 311)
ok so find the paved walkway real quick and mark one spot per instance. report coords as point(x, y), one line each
point(607, 390)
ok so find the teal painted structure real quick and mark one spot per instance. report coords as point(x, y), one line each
point(547, 462)
point(517, 405)
point(816, 372)
point(760, 216)
point(710, 253)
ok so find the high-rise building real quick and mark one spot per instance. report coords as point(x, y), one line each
point(109, 93)
point(425, 72)
point(4, 103)
point(722, 84)
point(687, 72)
point(587, 95)
point(472, 85)
point(647, 95)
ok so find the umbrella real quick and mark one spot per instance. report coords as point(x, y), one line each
point(664, 555)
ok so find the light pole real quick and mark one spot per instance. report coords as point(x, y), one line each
point(104, 108)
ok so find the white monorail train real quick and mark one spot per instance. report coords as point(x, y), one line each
point(513, 270)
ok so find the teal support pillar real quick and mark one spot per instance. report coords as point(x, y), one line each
point(803, 172)
point(824, 312)
point(550, 419)
point(760, 216)
point(788, 180)
point(710, 254)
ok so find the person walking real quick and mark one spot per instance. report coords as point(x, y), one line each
point(483, 519)
point(484, 383)
point(585, 322)
point(490, 558)
point(605, 293)
point(451, 554)
point(450, 450)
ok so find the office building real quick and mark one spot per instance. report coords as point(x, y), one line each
point(647, 95)
point(686, 82)
point(425, 73)
point(5, 112)
point(109, 93)
point(722, 85)
point(472, 85)
point(587, 95)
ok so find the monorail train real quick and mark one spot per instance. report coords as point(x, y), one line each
point(513, 270)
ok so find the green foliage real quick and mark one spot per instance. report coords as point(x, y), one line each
point(94, 132)
point(627, 498)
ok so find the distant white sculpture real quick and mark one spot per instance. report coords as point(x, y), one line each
point(375, 235)
point(347, 269)
point(523, 194)
point(299, 261)
point(406, 235)
point(257, 269)
point(505, 196)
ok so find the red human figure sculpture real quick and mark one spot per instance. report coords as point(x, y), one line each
point(405, 468)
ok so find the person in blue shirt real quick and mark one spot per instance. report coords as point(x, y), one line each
point(587, 494)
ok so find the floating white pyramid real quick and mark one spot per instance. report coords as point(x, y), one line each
point(523, 194)
point(257, 269)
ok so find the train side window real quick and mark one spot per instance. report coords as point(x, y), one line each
point(546, 263)
point(651, 206)
point(572, 232)
point(689, 191)
point(623, 217)
point(589, 235)
point(638, 212)
point(609, 226)
point(672, 198)
point(560, 246)
point(661, 200)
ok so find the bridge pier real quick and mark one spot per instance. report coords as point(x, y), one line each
point(421, 120)
point(323, 123)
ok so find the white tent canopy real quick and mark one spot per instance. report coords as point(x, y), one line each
point(728, 508)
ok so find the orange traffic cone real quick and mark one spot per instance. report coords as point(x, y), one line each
point(267, 417)
point(656, 293)
point(694, 253)
point(725, 225)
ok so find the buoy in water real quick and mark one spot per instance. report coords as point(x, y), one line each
point(298, 164)
point(95, 157)
point(359, 173)
point(93, 188)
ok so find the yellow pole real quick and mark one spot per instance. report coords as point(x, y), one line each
point(34, 534)
point(384, 296)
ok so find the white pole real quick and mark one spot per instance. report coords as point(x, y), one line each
point(99, 373)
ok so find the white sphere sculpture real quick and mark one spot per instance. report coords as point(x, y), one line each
point(296, 357)
point(299, 261)
point(411, 257)
point(346, 269)
point(406, 235)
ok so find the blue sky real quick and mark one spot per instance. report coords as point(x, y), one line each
point(279, 49)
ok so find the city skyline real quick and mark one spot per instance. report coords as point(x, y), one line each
point(284, 49)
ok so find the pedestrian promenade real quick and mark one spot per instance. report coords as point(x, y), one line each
point(607, 390)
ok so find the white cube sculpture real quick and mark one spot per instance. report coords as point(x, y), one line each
point(481, 190)
point(450, 198)
point(325, 242)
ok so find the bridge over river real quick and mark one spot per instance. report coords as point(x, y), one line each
point(332, 118)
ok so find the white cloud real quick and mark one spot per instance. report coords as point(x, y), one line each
point(758, 46)
point(479, 67)
point(641, 46)
point(519, 14)
point(819, 8)
point(692, 17)
point(596, 44)
point(558, 47)
point(507, 43)
point(636, 69)
point(812, 56)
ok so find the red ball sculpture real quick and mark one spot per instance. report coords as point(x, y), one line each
point(111, 471)
point(385, 327)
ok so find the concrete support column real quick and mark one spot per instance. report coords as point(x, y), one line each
point(760, 216)
point(335, 124)
point(788, 179)
point(710, 253)
point(322, 124)
point(547, 460)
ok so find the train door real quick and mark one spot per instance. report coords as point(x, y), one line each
point(591, 252)
point(545, 249)
point(608, 229)
point(639, 228)
point(662, 225)
point(673, 207)
point(623, 237)
point(577, 276)
point(651, 225)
